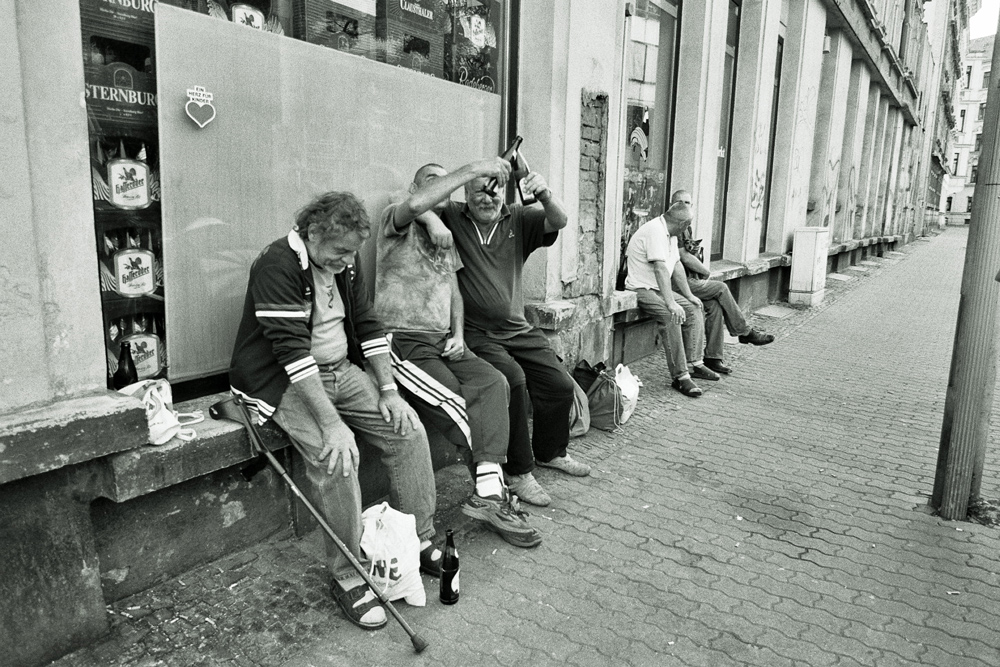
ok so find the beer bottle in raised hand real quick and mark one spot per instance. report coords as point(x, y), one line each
point(510, 155)
point(449, 571)
point(126, 373)
point(520, 172)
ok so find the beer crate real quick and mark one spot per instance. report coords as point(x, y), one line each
point(411, 33)
point(472, 47)
point(119, 82)
point(348, 25)
point(126, 20)
point(141, 323)
point(124, 171)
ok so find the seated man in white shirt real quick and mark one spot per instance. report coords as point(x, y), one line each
point(654, 270)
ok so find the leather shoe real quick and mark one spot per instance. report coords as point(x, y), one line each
point(704, 373)
point(717, 366)
point(755, 337)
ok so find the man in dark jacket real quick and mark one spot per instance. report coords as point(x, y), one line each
point(307, 328)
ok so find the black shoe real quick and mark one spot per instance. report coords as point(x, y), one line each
point(704, 373)
point(717, 366)
point(687, 387)
point(757, 338)
point(430, 561)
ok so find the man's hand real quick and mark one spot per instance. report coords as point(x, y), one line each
point(695, 300)
point(396, 410)
point(677, 314)
point(440, 234)
point(454, 348)
point(339, 451)
point(534, 183)
point(493, 167)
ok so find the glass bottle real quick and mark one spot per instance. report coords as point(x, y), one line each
point(449, 571)
point(125, 374)
point(510, 154)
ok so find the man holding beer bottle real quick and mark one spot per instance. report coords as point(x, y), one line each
point(493, 241)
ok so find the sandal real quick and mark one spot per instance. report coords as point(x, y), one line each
point(687, 387)
point(360, 606)
point(430, 561)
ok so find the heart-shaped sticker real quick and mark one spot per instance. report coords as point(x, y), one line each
point(202, 113)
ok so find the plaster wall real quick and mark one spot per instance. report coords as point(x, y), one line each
point(50, 309)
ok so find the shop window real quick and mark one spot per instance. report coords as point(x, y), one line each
point(651, 51)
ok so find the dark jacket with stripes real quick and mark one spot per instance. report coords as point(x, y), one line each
point(275, 336)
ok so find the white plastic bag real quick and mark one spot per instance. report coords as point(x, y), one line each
point(391, 544)
point(164, 422)
point(629, 384)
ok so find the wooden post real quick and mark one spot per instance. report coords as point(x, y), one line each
point(971, 381)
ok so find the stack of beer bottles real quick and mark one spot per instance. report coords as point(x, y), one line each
point(120, 92)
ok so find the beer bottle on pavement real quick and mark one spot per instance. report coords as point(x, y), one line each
point(510, 155)
point(449, 571)
point(126, 373)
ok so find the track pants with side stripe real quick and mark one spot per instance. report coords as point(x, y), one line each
point(465, 399)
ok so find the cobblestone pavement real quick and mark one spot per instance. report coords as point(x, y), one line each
point(778, 520)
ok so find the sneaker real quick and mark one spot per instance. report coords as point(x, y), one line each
point(568, 465)
point(755, 337)
point(528, 489)
point(360, 606)
point(504, 517)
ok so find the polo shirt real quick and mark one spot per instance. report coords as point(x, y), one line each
point(493, 259)
point(650, 243)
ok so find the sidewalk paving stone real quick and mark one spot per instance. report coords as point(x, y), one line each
point(781, 519)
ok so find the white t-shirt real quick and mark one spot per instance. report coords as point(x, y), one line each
point(650, 243)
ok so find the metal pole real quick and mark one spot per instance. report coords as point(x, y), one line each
point(965, 426)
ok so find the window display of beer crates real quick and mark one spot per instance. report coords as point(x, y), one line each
point(130, 21)
point(139, 323)
point(347, 25)
point(411, 34)
point(472, 45)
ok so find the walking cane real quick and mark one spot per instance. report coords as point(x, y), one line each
point(235, 409)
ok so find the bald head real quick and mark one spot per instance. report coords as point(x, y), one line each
point(682, 196)
point(430, 170)
point(678, 218)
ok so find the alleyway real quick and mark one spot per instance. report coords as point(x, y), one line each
point(779, 520)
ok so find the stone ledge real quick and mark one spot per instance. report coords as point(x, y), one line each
point(549, 315)
point(620, 301)
point(218, 445)
point(69, 432)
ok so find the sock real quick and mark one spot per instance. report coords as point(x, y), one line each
point(489, 479)
point(685, 376)
point(698, 363)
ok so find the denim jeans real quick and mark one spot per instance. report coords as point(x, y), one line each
point(684, 344)
point(720, 306)
point(338, 498)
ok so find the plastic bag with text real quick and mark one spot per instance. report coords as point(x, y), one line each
point(629, 384)
point(390, 542)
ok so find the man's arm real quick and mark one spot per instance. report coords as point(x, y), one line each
point(679, 280)
point(693, 264)
point(454, 347)
point(555, 212)
point(438, 189)
point(662, 274)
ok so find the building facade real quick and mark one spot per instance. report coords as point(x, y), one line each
point(967, 136)
point(155, 147)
